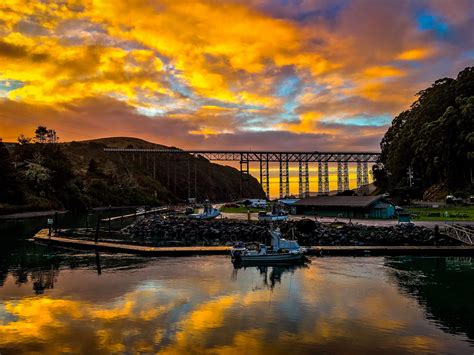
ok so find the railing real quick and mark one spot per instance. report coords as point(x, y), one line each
point(463, 234)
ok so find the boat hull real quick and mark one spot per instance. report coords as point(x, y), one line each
point(269, 259)
point(203, 216)
point(272, 218)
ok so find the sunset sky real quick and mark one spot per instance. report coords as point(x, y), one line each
point(301, 74)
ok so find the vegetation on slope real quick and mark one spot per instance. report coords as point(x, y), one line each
point(79, 175)
point(434, 138)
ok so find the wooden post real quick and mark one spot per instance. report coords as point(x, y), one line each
point(110, 215)
point(195, 179)
point(56, 223)
point(168, 172)
point(97, 263)
point(99, 218)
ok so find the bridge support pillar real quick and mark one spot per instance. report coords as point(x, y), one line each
point(340, 182)
point(323, 178)
point(192, 185)
point(362, 176)
point(345, 180)
point(365, 176)
point(306, 183)
point(359, 175)
point(284, 178)
point(244, 177)
point(265, 177)
point(303, 178)
point(342, 176)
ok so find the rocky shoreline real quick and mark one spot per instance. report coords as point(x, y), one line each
point(175, 231)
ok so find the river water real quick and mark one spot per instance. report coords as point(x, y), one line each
point(58, 301)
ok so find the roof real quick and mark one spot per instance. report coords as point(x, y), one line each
point(382, 205)
point(288, 201)
point(339, 201)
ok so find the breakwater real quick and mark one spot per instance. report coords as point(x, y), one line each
point(174, 231)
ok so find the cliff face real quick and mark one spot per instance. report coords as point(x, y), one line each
point(165, 175)
point(80, 174)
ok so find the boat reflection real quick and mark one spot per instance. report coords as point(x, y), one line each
point(271, 275)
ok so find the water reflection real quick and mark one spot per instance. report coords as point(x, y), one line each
point(271, 275)
point(99, 303)
point(442, 286)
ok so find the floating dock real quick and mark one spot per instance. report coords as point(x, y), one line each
point(345, 250)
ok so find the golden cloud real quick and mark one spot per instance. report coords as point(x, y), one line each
point(416, 54)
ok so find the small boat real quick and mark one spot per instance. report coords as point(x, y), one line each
point(277, 214)
point(283, 252)
point(208, 213)
point(272, 217)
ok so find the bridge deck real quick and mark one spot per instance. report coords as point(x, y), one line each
point(270, 156)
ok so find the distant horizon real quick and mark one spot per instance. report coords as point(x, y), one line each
point(204, 149)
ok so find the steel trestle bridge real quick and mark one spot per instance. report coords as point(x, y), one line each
point(283, 158)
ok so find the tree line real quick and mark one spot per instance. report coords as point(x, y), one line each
point(434, 139)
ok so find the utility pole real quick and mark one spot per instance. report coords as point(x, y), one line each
point(410, 176)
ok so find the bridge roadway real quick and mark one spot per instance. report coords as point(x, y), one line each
point(257, 156)
point(264, 158)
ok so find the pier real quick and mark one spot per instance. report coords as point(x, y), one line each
point(112, 247)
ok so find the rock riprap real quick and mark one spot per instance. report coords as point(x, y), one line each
point(175, 231)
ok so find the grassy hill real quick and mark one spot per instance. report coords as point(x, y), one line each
point(78, 175)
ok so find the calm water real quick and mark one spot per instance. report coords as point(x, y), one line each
point(88, 303)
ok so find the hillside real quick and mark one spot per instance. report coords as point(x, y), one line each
point(435, 139)
point(79, 175)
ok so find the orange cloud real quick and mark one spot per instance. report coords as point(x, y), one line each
point(382, 72)
point(306, 124)
point(415, 54)
point(219, 69)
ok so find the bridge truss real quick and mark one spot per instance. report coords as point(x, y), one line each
point(284, 159)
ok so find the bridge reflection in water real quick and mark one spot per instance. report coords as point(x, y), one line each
point(264, 159)
point(203, 304)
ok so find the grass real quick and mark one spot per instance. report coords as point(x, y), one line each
point(240, 210)
point(455, 213)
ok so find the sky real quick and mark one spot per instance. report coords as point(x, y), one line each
point(255, 74)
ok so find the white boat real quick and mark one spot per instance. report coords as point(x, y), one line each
point(283, 251)
point(208, 213)
point(273, 217)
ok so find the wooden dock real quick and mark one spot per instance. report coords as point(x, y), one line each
point(136, 214)
point(42, 237)
point(110, 247)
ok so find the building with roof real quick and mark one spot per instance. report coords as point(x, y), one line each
point(345, 206)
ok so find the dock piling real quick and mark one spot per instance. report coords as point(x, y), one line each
point(55, 223)
point(99, 218)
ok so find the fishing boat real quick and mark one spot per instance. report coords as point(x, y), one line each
point(277, 214)
point(272, 217)
point(282, 251)
point(209, 212)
